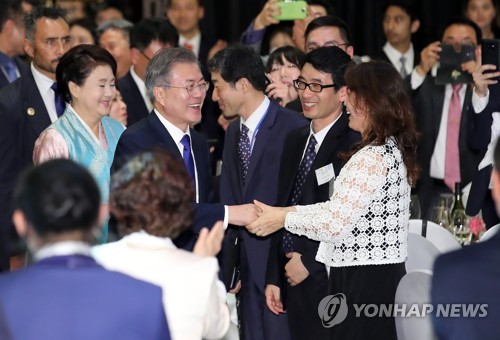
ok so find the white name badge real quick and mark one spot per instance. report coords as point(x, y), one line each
point(325, 174)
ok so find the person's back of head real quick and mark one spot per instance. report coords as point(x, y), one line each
point(237, 62)
point(58, 198)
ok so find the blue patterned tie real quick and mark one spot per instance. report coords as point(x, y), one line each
point(188, 157)
point(244, 151)
point(10, 69)
point(58, 100)
point(300, 179)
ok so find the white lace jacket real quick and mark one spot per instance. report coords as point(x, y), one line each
point(365, 222)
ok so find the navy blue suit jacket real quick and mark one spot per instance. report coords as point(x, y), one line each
point(136, 107)
point(18, 132)
point(148, 134)
point(262, 176)
point(72, 297)
point(21, 66)
point(469, 276)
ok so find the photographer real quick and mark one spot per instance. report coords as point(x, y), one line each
point(444, 155)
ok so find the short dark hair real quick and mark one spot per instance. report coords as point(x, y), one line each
point(236, 62)
point(465, 22)
point(326, 5)
point(77, 64)
point(88, 24)
point(329, 21)
point(152, 192)
point(290, 53)
point(10, 9)
point(53, 13)
point(381, 92)
point(331, 60)
point(148, 30)
point(406, 6)
point(58, 196)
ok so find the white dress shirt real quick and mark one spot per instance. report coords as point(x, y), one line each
point(44, 83)
point(394, 57)
point(194, 41)
point(142, 89)
point(252, 123)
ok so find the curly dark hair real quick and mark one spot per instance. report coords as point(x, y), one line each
point(382, 93)
point(152, 192)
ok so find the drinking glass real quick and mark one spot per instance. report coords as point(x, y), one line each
point(441, 216)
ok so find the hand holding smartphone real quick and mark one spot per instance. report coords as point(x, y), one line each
point(292, 10)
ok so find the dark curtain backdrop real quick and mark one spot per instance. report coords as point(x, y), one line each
point(227, 19)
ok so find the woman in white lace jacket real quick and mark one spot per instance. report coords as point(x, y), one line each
point(363, 227)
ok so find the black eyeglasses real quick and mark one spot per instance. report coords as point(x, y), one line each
point(314, 87)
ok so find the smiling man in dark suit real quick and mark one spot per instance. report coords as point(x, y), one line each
point(177, 88)
point(309, 153)
point(27, 107)
point(250, 170)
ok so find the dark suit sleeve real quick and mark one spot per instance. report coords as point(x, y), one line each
point(479, 127)
point(275, 262)
point(206, 214)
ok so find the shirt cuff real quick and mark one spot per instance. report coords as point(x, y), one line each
point(416, 79)
point(479, 103)
point(226, 217)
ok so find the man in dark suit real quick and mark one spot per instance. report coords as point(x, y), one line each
point(147, 37)
point(11, 41)
point(469, 277)
point(65, 294)
point(440, 114)
point(400, 22)
point(177, 88)
point(27, 107)
point(250, 170)
point(292, 256)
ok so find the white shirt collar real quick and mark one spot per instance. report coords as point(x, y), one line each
point(194, 41)
point(255, 118)
point(173, 130)
point(142, 89)
point(320, 135)
point(43, 83)
point(62, 249)
point(395, 56)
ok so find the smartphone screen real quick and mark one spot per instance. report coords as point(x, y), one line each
point(490, 51)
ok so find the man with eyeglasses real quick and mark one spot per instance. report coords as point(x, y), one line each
point(177, 89)
point(147, 37)
point(27, 107)
point(310, 162)
point(441, 116)
point(250, 170)
point(114, 36)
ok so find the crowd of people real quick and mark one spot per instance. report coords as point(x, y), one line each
point(156, 182)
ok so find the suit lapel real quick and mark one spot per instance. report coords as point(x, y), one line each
point(200, 154)
point(292, 156)
point(34, 107)
point(162, 135)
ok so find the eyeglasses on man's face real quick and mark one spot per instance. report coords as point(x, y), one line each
point(202, 87)
point(314, 87)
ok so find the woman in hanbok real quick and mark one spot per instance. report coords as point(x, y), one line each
point(86, 80)
point(363, 228)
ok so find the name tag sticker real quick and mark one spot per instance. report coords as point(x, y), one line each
point(325, 174)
